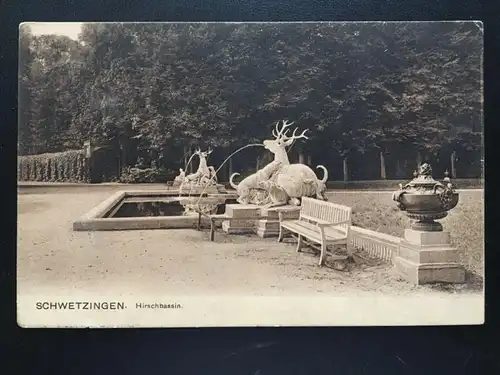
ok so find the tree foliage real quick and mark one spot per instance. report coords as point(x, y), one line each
point(154, 90)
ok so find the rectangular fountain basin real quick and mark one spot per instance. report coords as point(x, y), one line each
point(127, 210)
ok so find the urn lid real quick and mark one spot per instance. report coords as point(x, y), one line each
point(424, 179)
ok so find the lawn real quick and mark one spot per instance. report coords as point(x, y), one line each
point(377, 211)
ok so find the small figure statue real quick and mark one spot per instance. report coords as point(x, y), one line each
point(180, 178)
point(277, 195)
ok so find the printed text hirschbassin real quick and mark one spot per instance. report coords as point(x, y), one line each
point(158, 306)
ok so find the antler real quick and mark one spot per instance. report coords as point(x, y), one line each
point(302, 135)
point(280, 133)
point(289, 141)
point(209, 151)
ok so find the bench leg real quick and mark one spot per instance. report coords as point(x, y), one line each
point(212, 230)
point(349, 249)
point(281, 234)
point(322, 257)
point(199, 221)
point(299, 242)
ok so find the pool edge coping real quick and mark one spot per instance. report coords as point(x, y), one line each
point(94, 220)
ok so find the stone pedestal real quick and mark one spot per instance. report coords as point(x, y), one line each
point(245, 211)
point(263, 227)
point(428, 257)
point(270, 227)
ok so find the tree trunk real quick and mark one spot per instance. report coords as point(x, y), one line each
point(230, 168)
point(119, 157)
point(398, 169)
point(309, 160)
point(419, 160)
point(453, 169)
point(123, 159)
point(346, 170)
point(185, 157)
point(257, 164)
point(301, 158)
point(118, 167)
point(124, 147)
point(383, 174)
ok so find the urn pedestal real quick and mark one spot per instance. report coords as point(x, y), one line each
point(425, 257)
point(425, 254)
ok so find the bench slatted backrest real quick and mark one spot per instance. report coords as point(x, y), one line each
point(316, 209)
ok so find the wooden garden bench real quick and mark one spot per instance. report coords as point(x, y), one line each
point(319, 222)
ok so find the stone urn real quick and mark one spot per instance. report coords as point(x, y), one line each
point(426, 200)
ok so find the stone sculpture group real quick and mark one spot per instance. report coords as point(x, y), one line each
point(279, 182)
point(194, 184)
point(204, 176)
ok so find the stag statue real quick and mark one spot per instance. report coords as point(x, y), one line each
point(205, 175)
point(202, 168)
point(282, 182)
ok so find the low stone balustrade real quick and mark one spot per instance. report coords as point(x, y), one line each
point(378, 245)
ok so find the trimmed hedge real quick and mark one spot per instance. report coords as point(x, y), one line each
point(67, 166)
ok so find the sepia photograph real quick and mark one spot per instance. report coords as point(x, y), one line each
point(216, 174)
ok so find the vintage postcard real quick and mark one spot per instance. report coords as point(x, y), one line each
point(250, 174)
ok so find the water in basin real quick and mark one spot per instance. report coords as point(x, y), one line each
point(162, 206)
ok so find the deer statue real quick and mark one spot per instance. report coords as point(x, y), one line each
point(281, 141)
point(203, 169)
point(289, 182)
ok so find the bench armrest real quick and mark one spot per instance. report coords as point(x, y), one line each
point(281, 209)
point(324, 224)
